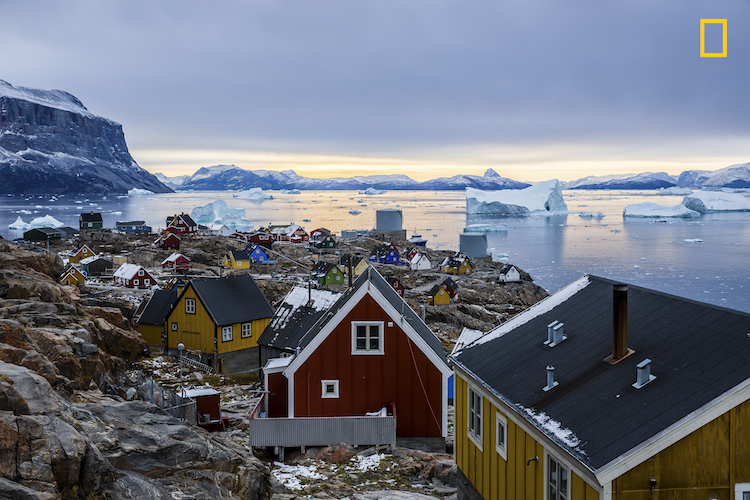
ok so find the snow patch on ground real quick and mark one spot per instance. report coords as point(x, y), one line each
point(290, 475)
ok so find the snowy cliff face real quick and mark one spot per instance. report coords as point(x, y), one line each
point(50, 143)
point(540, 198)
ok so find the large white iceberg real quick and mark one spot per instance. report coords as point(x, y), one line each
point(19, 224)
point(139, 192)
point(218, 212)
point(372, 190)
point(256, 195)
point(649, 209)
point(543, 197)
point(716, 201)
point(486, 228)
point(674, 190)
point(46, 221)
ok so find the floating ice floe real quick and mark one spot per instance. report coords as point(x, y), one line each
point(256, 195)
point(290, 191)
point(649, 209)
point(693, 240)
point(541, 198)
point(139, 192)
point(674, 190)
point(716, 201)
point(218, 212)
point(19, 224)
point(591, 215)
point(372, 191)
point(486, 228)
point(46, 221)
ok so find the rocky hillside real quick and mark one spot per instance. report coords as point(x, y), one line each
point(50, 143)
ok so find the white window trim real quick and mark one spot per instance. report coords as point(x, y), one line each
point(224, 330)
point(475, 438)
point(135, 282)
point(174, 326)
point(190, 306)
point(249, 330)
point(739, 489)
point(146, 281)
point(140, 272)
point(501, 420)
point(545, 482)
point(368, 351)
point(335, 393)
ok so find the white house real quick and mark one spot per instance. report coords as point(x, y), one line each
point(219, 230)
point(419, 262)
point(132, 276)
point(509, 274)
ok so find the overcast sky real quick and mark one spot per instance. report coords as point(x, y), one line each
point(535, 89)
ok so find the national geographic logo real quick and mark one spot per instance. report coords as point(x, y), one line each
point(723, 23)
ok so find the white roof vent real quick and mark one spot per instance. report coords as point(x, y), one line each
point(551, 382)
point(550, 332)
point(643, 373)
point(557, 334)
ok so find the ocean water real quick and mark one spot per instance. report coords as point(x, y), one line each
point(555, 250)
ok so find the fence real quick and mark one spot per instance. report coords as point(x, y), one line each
point(168, 400)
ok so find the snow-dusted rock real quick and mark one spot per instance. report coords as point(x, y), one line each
point(649, 209)
point(716, 201)
point(256, 195)
point(543, 197)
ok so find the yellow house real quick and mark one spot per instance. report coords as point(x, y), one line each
point(581, 397)
point(463, 268)
point(223, 319)
point(458, 263)
point(82, 253)
point(151, 316)
point(358, 264)
point(438, 296)
point(237, 259)
point(72, 276)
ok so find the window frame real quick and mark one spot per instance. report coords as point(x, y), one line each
point(501, 423)
point(329, 395)
point(560, 466)
point(140, 272)
point(174, 326)
point(135, 282)
point(249, 330)
point(189, 302)
point(367, 351)
point(739, 489)
point(473, 422)
point(224, 331)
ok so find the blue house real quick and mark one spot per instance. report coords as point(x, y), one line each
point(386, 254)
point(258, 255)
point(133, 226)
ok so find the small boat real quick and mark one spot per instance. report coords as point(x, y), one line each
point(305, 220)
point(354, 212)
point(417, 239)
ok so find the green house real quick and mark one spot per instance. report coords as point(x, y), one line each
point(327, 274)
point(324, 241)
point(90, 221)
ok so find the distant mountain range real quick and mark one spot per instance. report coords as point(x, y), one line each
point(230, 177)
point(51, 144)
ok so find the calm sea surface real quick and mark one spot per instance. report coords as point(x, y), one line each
point(555, 250)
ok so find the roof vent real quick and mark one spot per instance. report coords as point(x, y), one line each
point(550, 332)
point(557, 334)
point(643, 373)
point(551, 382)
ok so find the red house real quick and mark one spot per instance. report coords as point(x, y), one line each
point(262, 238)
point(299, 235)
point(396, 284)
point(168, 240)
point(180, 224)
point(450, 286)
point(411, 253)
point(176, 261)
point(133, 276)
point(373, 351)
point(321, 231)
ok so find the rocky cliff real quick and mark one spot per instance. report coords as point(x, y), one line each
point(50, 143)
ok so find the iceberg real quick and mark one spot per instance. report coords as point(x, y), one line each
point(674, 190)
point(591, 215)
point(486, 228)
point(256, 195)
point(372, 190)
point(543, 197)
point(46, 221)
point(139, 192)
point(649, 209)
point(716, 201)
point(218, 212)
point(20, 225)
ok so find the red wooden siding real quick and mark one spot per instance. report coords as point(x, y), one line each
point(367, 383)
point(277, 395)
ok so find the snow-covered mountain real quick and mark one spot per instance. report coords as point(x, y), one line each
point(647, 180)
point(733, 176)
point(222, 177)
point(171, 182)
point(50, 143)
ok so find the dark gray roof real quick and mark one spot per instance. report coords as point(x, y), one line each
point(130, 223)
point(240, 254)
point(698, 352)
point(158, 307)
point(68, 231)
point(45, 230)
point(91, 217)
point(232, 299)
point(376, 280)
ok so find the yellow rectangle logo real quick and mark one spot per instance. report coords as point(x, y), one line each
point(723, 23)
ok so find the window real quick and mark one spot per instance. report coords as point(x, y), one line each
point(501, 435)
point(147, 281)
point(475, 417)
point(190, 306)
point(557, 480)
point(330, 388)
point(91, 224)
point(135, 282)
point(247, 330)
point(367, 337)
point(742, 491)
point(226, 333)
point(174, 326)
point(239, 262)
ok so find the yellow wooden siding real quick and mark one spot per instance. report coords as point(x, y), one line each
point(494, 477)
point(150, 333)
point(704, 464)
point(237, 341)
point(196, 331)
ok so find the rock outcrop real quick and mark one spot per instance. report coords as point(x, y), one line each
point(50, 143)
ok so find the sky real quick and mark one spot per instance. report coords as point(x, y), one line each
point(535, 89)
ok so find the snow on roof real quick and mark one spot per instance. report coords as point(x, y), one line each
point(89, 260)
point(467, 337)
point(554, 428)
point(537, 309)
point(127, 271)
point(275, 363)
point(322, 300)
point(173, 258)
point(195, 392)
